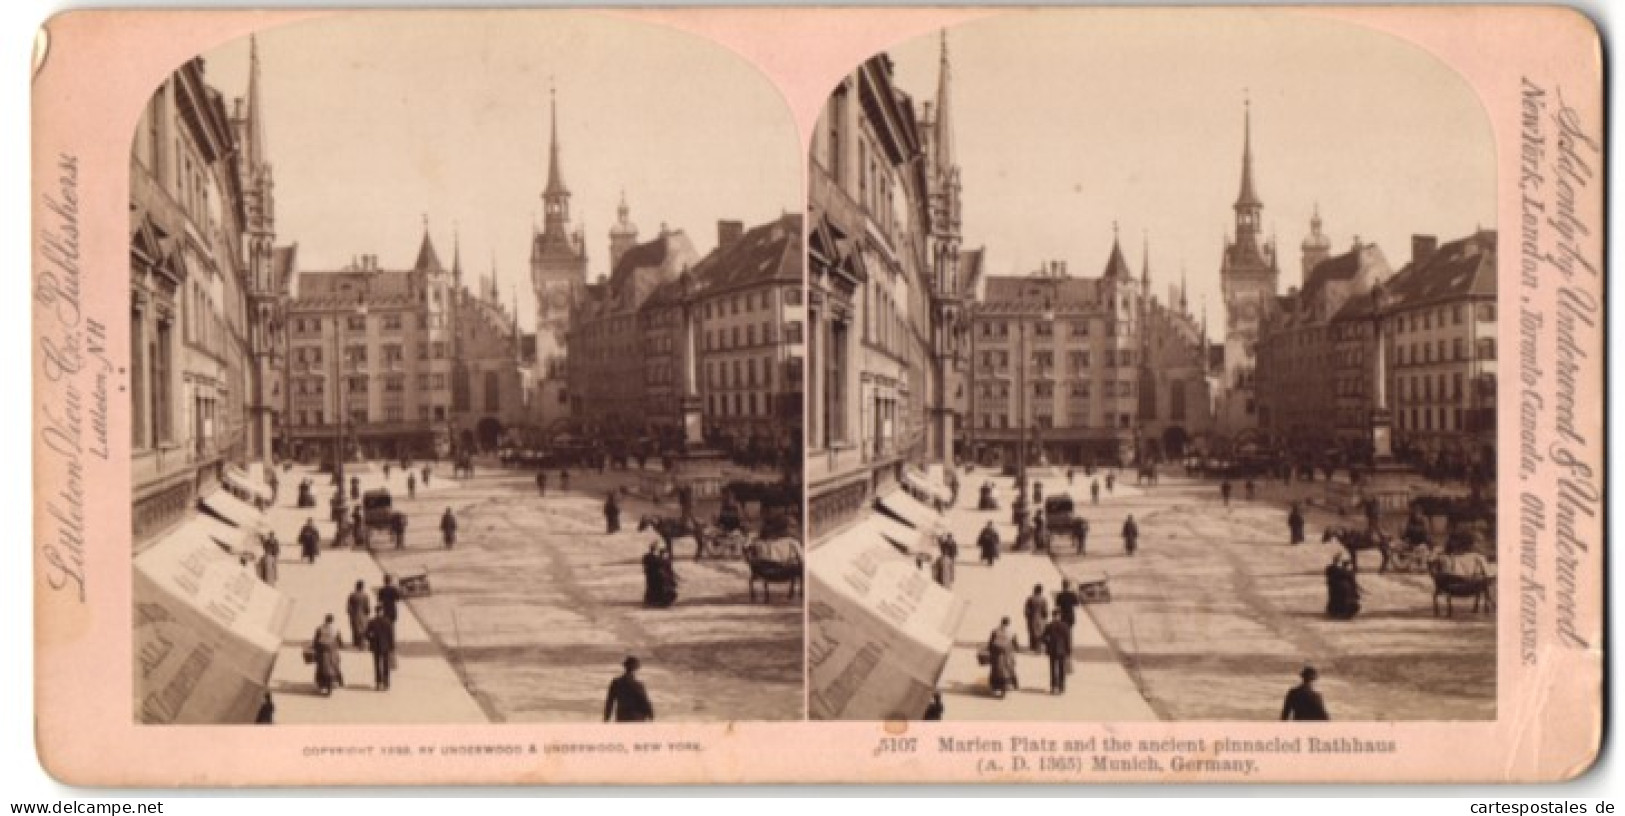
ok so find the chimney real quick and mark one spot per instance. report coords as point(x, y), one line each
point(1423, 247)
point(729, 232)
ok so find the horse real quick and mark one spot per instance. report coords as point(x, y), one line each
point(670, 529)
point(1147, 475)
point(1481, 588)
point(1353, 540)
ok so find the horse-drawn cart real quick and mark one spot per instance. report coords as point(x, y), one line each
point(415, 586)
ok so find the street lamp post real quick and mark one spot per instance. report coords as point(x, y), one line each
point(341, 404)
point(1381, 418)
point(1047, 316)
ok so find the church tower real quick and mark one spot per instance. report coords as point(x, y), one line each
point(558, 274)
point(264, 289)
point(1248, 276)
point(1316, 246)
point(623, 236)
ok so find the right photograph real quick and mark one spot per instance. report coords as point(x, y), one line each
point(1151, 375)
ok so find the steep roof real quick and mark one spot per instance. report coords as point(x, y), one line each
point(767, 252)
point(428, 260)
point(1462, 268)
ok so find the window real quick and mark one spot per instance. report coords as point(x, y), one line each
point(159, 353)
point(493, 392)
point(1044, 359)
point(792, 332)
point(1456, 314)
point(392, 353)
point(392, 322)
point(395, 384)
point(357, 385)
point(750, 335)
point(1486, 312)
point(792, 296)
point(356, 323)
point(1080, 328)
point(138, 386)
point(1460, 349)
point(437, 382)
point(438, 349)
point(440, 413)
point(394, 413)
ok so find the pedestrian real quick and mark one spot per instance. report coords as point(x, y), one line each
point(628, 700)
point(1080, 535)
point(1040, 532)
point(1094, 492)
point(1250, 488)
point(1224, 491)
point(988, 543)
point(1037, 612)
point(1067, 602)
point(426, 474)
point(541, 482)
point(381, 640)
point(1294, 523)
point(1002, 660)
point(397, 525)
point(947, 559)
point(448, 528)
point(355, 488)
point(386, 471)
point(389, 598)
point(1038, 494)
point(358, 530)
point(309, 541)
point(358, 608)
point(564, 480)
point(411, 485)
point(1303, 702)
point(325, 644)
point(1342, 590)
point(1131, 535)
point(1057, 638)
point(267, 712)
point(268, 560)
point(1070, 475)
point(653, 575)
point(612, 515)
point(933, 712)
point(1111, 482)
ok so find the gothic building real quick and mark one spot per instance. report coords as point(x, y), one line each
point(558, 276)
point(1249, 275)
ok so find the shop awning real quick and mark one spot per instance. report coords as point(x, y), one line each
point(880, 629)
point(927, 486)
point(207, 632)
point(235, 511)
point(910, 510)
point(900, 534)
point(231, 540)
point(239, 480)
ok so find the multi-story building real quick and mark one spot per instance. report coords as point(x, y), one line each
point(603, 353)
point(1249, 276)
point(1175, 399)
point(371, 358)
point(747, 295)
point(1438, 318)
point(195, 394)
point(948, 270)
point(871, 354)
point(1300, 373)
point(488, 395)
point(1353, 367)
point(558, 276)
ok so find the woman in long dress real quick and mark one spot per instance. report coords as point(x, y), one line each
point(329, 673)
point(1001, 649)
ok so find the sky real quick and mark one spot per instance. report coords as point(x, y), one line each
point(376, 121)
point(1067, 121)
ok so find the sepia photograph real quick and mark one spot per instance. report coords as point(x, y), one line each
point(465, 382)
point(1153, 376)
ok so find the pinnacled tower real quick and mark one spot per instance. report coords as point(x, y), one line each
point(264, 287)
point(558, 274)
point(1248, 276)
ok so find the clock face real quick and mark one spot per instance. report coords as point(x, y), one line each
point(559, 299)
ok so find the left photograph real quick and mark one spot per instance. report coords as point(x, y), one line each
point(466, 378)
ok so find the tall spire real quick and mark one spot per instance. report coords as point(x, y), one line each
point(944, 125)
point(456, 256)
point(555, 177)
point(1183, 302)
point(1145, 260)
point(1248, 196)
point(256, 127)
point(428, 260)
point(1116, 267)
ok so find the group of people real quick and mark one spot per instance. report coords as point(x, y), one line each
point(1049, 632)
point(372, 629)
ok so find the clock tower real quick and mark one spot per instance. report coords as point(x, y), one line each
point(558, 274)
point(1248, 274)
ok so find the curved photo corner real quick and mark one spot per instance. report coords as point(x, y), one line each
point(466, 378)
point(1236, 464)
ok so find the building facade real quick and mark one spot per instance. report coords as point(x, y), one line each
point(874, 377)
point(1438, 319)
point(197, 237)
point(488, 395)
point(1302, 376)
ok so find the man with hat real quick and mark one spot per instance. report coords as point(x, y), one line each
point(1303, 702)
point(628, 701)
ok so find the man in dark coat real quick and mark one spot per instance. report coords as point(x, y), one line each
point(381, 640)
point(309, 541)
point(1080, 534)
point(1131, 535)
point(448, 528)
point(1342, 590)
point(355, 488)
point(357, 608)
point(1303, 702)
point(564, 479)
point(653, 575)
point(628, 701)
point(1057, 638)
point(612, 515)
point(1036, 611)
point(389, 597)
point(1224, 491)
point(1094, 492)
point(1294, 523)
point(358, 530)
point(267, 712)
point(988, 542)
point(933, 712)
point(397, 525)
point(411, 485)
point(1067, 602)
point(541, 482)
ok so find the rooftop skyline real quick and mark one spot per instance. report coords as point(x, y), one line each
point(1070, 125)
point(379, 124)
